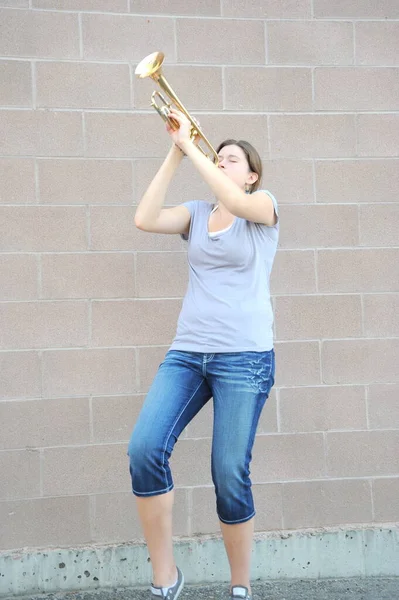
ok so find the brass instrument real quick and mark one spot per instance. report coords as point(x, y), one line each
point(150, 66)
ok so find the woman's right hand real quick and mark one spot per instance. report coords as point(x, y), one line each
point(182, 134)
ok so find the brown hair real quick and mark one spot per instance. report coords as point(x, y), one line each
point(253, 159)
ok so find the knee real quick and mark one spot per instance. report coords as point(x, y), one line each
point(148, 464)
point(146, 450)
point(229, 475)
point(142, 449)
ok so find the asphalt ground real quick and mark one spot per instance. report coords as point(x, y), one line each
point(356, 588)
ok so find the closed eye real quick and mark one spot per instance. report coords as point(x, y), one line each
point(231, 158)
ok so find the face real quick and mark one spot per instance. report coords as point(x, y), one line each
point(234, 164)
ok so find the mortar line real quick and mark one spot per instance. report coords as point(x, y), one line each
point(269, 136)
point(362, 313)
point(39, 278)
point(305, 19)
point(80, 30)
point(354, 43)
point(37, 184)
point(138, 379)
point(309, 434)
point(91, 423)
point(34, 86)
point(316, 268)
point(278, 409)
point(190, 504)
point(321, 361)
point(88, 228)
point(313, 163)
point(367, 407)
point(92, 515)
point(223, 72)
point(41, 468)
point(371, 487)
point(90, 324)
point(131, 83)
point(84, 136)
point(175, 38)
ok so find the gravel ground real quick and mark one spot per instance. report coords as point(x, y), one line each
point(375, 588)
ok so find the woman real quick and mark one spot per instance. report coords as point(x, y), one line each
point(223, 349)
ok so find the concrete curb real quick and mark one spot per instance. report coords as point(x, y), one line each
point(309, 555)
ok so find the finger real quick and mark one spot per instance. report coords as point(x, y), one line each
point(176, 112)
point(177, 116)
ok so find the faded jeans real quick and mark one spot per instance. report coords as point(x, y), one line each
point(239, 383)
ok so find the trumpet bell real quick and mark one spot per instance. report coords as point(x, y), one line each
point(150, 65)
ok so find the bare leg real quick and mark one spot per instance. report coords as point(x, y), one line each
point(155, 514)
point(238, 541)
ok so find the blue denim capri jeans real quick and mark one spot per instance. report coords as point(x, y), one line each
point(239, 383)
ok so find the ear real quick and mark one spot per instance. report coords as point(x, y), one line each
point(252, 177)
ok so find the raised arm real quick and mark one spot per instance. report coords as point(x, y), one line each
point(150, 214)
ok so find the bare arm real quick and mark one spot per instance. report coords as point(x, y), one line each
point(150, 214)
point(259, 210)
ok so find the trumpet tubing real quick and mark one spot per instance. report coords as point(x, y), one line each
point(151, 66)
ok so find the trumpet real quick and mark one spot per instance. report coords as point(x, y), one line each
point(150, 66)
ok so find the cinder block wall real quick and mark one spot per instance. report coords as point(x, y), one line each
point(89, 304)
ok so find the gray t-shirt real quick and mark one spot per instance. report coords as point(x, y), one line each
point(227, 305)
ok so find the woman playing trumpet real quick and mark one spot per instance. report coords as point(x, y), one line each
point(223, 349)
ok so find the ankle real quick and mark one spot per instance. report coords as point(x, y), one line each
point(165, 577)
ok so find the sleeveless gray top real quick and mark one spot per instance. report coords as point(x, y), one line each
point(227, 305)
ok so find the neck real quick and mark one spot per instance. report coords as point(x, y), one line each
point(222, 210)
